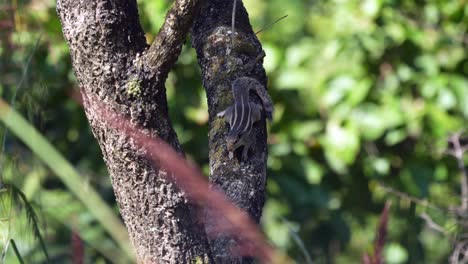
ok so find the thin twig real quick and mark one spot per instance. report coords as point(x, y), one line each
point(411, 198)
point(233, 21)
point(433, 225)
point(459, 251)
point(457, 152)
point(298, 240)
point(269, 26)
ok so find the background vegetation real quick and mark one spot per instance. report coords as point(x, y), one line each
point(366, 93)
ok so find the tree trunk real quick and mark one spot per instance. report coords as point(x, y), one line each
point(113, 64)
point(222, 60)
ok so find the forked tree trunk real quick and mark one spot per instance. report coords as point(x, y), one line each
point(114, 65)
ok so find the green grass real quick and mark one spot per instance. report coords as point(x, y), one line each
point(45, 151)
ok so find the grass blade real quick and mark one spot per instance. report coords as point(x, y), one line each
point(15, 249)
point(67, 174)
point(94, 236)
point(31, 216)
point(4, 252)
point(13, 99)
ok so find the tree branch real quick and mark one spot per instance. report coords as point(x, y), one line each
point(106, 44)
point(166, 48)
point(221, 63)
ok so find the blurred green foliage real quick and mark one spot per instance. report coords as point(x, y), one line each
point(365, 92)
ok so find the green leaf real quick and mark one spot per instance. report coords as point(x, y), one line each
point(460, 86)
point(299, 53)
point(337, 90)
point(395, 254)
point(370, 7)
point(304, 130)
point(341, 145)
point(314, 171)
point(272, 57)
point(295, 78)
point(446, 99)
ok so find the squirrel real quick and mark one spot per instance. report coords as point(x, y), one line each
point(243, 113)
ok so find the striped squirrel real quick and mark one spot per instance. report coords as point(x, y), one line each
point(243, 114)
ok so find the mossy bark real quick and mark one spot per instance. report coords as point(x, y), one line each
point(223, 57)
point(114, 65)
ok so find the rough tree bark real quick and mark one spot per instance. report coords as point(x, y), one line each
point(222, 60)
point(114, 65)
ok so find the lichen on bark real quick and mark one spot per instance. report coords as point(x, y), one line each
point(115, 67)
point(221, 63)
